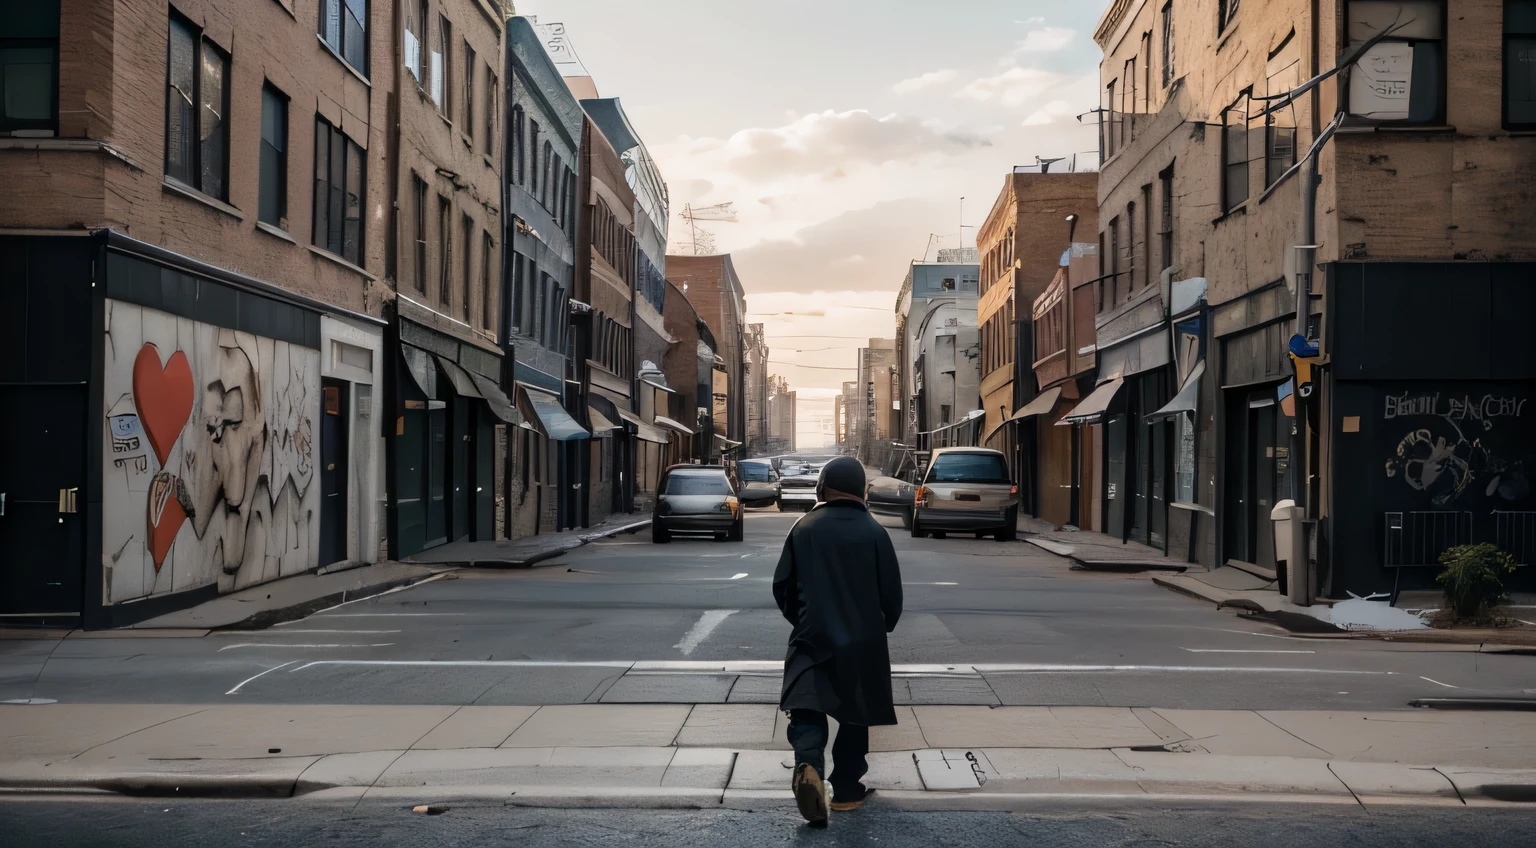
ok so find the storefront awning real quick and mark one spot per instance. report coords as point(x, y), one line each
point(628, 416)
point(1093, 406)
point(726, 444)
point(496, 399)
point(423, 371)
point(1186, 400)
point(1042, 404)
point(667, 422)
point(649, 433)
point(968, 418)
point(600, 422)
point(543, 410)
point(458, 378)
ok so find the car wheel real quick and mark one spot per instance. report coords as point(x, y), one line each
point(659, 534)
point(1010, 529)
point(917, 530)
point(780, 505)
point(738, 531)
point(981, 535)
point(939, 534)
point(906, 519)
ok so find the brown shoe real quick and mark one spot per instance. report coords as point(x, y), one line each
point(810, 795)
point(848, 804)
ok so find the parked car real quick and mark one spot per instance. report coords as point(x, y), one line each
point(759, 483)
point(891, 496)
point(697, 499)
point(966, 490)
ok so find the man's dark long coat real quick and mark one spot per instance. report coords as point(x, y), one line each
point(839, 585)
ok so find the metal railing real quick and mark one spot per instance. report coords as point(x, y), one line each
point(1515, 534)
point(1418, 538)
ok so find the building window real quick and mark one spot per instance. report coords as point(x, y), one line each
point(1148, 268)
point(1128, 106)
point(1401, 79)
point(444, 251)
point(344, 27)
point(467, 118)
point(533, 157)
point(197, 99)
point(1165, 227)
point(1114, 261)
point(1280, 125)
point(338, 193)
point(441, 62)
point(487, 251)
point(415, 14)
point(489, 110)
point(545, 189)
point(517, 292)
point(1225, 11)
point(1146, 72)
point(1184, 463)
point(469, 266)
point(536, 305)
point(1234, 155)
point(1130, 247)
point(1109, 122)
point(1168, 46)
point(29, 67)
point(1520, 64)
point(419, 228)
point(1103, 270)
point(272, 205)
point(519, 175)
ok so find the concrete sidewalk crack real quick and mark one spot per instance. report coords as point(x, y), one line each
point(136, 730)
point(1346, 786)
point(679, 733)
point(1292, 735)
point(382, 771)
point(1454, 787)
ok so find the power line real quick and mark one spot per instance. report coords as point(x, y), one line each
point(817, 367)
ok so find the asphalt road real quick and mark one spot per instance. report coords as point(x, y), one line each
point(62, 823)
point(566, 633)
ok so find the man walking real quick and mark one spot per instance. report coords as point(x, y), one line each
point(838, 584)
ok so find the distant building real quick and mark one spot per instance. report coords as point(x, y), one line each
point(781, 417)
point(756, 381)
point(711, 285)
point(938, 351)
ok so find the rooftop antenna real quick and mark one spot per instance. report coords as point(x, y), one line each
point(703, 240)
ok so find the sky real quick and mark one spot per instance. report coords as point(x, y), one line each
point(845, 134)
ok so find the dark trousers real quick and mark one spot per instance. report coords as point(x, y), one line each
point(808, 735)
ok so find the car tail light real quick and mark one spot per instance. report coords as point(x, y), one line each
point(1014, 490)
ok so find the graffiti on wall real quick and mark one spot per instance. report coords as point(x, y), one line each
point(1460, 445)
point(209, 468)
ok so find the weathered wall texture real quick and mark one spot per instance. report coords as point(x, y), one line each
point(209, 461)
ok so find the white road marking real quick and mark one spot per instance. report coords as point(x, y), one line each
point(254, 676)
point(930, 584)
point(776, 666)
point(286, 632)
point(1241, 651)
point(290, 645)
point(739, 576)
point(1266, 635)
point(744, 556)
point(383, 615)
point(1438, 683)
point(701, 629)
point(381, 594)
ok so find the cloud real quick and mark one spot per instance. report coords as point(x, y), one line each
point(1052, 112)
point(825, 143)
point(928, 80)
point(860, 250)
point(1035, 20)
point(1047, 40)
point(1012, 87)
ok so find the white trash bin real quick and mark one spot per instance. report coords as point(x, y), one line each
point(1289, 532)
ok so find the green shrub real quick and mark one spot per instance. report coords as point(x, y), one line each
point(1473, 577)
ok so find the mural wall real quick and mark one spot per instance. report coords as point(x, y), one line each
point(1463, 446)
point(209, 467)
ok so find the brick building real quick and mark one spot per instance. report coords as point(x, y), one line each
point(192, 267)
point(711, 285)
point(1349, 204)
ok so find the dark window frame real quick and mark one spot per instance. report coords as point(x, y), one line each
point(468, 226)
point(1439, 118)
point(1169, 48)
point(1229, 167)
point(414, 12)
point(335, 238)
point(445, 251)
point(520, 174)
point(355, 55)
point(277, 215)
point(1226, 11)
point(198, 149)
point(492, 101)
point(36, 126)
point(1166, 224)
point(419, 225)
point(467, 97)
point(1523, 34)
point(487, 302)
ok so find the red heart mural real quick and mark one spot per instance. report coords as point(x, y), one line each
point(163, 397)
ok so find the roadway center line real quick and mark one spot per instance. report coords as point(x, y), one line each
point(701, 629)
point(381, 615)
point(291, 645)
point(1241, 651)
point(1438, 683)
point(284, 632)
point(739, 576)
point(254, 676)
point(930, 584)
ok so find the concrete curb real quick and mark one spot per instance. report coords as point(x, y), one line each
point(1088, 563)
point(534, 559)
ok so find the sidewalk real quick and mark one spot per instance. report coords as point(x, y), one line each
point(710, 755)
point(1099, 551)
point(528, 552)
